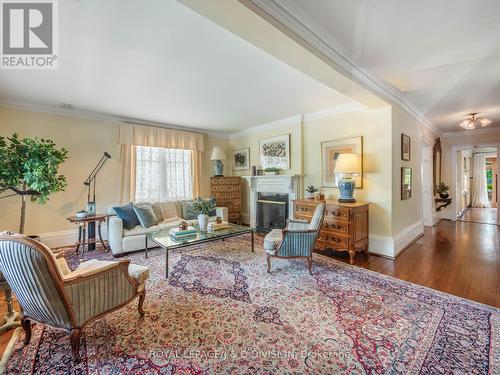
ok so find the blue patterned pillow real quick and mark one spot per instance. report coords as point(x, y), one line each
point(128, 215)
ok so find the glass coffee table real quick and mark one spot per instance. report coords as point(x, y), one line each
point(163, 239)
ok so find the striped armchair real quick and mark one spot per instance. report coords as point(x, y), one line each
point(297, 240)
point(50, 293)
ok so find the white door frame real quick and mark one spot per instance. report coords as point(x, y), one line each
point(430, 221)
point(454, 151)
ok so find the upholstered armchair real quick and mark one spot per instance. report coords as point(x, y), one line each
point(297, 240)
point(50, 293)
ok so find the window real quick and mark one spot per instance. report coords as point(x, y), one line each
point(163, 174)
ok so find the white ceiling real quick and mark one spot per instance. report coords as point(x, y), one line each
point(159, 61)
point(443, 55)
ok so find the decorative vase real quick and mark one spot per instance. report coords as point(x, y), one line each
point(203, 222)
point(219, 168)
point(308, 195)
point(444, 195)
point(346, 188)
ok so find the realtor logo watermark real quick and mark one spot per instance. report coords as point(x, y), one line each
point(29, 34)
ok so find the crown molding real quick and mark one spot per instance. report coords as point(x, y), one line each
point(297, 119)
point(473, 132)
point(294, 18)
point(98, 116)
point(268, 125)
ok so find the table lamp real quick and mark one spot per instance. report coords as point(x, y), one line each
point(347, 165)
point(218, 155)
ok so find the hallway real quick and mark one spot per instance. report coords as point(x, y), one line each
point(480, 215)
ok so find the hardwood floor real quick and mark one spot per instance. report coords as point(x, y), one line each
point(459, 258)
point(480, 215)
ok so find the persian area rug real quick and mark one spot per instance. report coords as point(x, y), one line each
point(221, 312)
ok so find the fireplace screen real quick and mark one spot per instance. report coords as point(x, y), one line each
point(272, 211)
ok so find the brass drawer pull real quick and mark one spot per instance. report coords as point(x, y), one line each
point(336, 213)
point(304, 209)
point(334, 226)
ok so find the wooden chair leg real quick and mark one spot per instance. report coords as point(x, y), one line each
point(26, 323)
point(268, 264)
point(309, 264)
point(142, 296)
point(74, 337)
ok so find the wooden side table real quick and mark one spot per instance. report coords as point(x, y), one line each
point(86, 237)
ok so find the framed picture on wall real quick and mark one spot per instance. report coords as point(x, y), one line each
point(405, 147)
point(330, 151)
point(240, 159)
point(406, 183)
point(275, 152)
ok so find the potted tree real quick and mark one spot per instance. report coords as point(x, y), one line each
point(442, 189)
point(29, 168)
point(204, 206)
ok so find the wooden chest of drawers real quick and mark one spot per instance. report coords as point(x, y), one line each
point(227, 193)
point(345, 226)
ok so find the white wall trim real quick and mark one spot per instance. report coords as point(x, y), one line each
point(65, 237)
point(98, 116)
point(296, 119)
point(390, 247)
point(287, 121)
point(295, 19)
point(471, 132)
point(407, 236)
point(381, 245)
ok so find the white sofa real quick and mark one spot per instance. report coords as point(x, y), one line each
point(126, 240)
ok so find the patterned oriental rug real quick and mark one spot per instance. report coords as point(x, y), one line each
point(221, 312)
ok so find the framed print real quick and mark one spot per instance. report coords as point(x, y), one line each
point(240, 159)
point(405, 147)
point(275, 152)
point(406, 182)
point(330, 151)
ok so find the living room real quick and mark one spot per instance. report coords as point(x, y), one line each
point(211, 191)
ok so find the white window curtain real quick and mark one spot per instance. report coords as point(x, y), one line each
point(163, 174)
point(479, 198)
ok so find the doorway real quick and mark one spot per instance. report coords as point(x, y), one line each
point(427, 186)
point(477, 185)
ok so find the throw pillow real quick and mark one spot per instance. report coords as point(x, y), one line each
point(157, 210)
point(146, 215)
point(128, 215)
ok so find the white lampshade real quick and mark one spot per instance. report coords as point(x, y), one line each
point(218, 154)
point(348, 164)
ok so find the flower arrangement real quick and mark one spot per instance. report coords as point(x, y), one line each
point(205, 206)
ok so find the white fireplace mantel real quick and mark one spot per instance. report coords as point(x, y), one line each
point(283, 184)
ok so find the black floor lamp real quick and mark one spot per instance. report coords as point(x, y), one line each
point(91, 205)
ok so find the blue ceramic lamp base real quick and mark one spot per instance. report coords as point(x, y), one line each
point(346, 188)
point(219, 168)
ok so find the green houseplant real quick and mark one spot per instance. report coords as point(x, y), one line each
point(272, 170)
point(310, 190)
point(442, 189)
point(205, 206)
point(29, 167)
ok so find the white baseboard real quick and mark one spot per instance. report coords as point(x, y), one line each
point(391, 246)
point(65, 237)
point(381, 245)
point(407, 236)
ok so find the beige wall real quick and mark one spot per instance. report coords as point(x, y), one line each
point(409, 211)
point(85, 140)
point(305, 150)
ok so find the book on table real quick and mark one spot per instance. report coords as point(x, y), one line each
point(213, 226)
point(179, 233)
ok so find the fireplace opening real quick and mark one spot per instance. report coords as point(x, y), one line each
point(272, 211)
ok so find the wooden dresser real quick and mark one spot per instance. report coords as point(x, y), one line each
point(345, 226)
point(227, 193)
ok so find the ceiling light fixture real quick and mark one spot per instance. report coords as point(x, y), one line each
point(472, 121)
